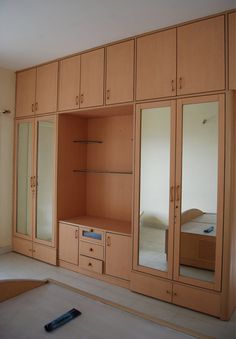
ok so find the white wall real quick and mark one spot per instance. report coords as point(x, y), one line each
point(7, 99)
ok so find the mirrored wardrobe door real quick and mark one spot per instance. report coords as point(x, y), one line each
point(24, 178)
point(199, 190)
point(45, 174)
point(154, 173)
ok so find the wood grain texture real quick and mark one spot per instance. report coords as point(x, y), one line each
point(232, 50)
point(46, 88)
point(92, 78)
point(68, 244)
point(120, 72)
point(69, 83)
point(25, 92)
point(118, 256)
point(45, 253)
point(22, 246)
point(156, 65)
point(201, 56)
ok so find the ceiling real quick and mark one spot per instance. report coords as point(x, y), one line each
point(35, 31)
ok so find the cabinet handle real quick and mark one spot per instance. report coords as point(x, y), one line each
point(76, 234)
point(90, 264)
point(172, 193)
point(108, 241)
point(178, 193)
point(77, 100)
point(91, 249)
point(108, 94)
point(175, 294)
point(180, 83)
point(32, 108)
point(31, 182)
point(172, 85)
point(36, 106)
point(81, 98)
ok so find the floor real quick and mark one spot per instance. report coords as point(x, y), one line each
point(14, 265)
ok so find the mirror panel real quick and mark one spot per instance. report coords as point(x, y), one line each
point(45, 177)
point(23, 176)
point(199, 191)
point(155, 146)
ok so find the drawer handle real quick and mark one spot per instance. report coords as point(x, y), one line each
point(91, 249)
point(90, 264)
point(91, 230)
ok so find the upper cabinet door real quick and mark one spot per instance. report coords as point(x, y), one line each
point(46, 88)
point(201, 56)
point(232, 51)
point(69, 83)
point(92, 78)
point(156, 65)
point(120, 72)
point(25, 92)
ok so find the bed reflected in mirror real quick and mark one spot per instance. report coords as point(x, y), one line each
point(199, 191)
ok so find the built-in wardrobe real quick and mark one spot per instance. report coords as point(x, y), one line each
point(125, 164)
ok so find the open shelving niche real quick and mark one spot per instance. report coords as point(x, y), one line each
point(95, 168)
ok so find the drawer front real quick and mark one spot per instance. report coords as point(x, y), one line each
point(22, 246)
point(91, 250)
point(91, 235)
point(90, 264)
point(197, 299)
point(45, 253)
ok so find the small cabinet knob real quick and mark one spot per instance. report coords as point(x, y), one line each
point(91, 249)
point(90, 264)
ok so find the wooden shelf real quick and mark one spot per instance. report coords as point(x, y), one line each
point(89, 141)
point(115, 226)
point(100, 172)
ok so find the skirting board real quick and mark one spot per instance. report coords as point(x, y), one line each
point(5, 249)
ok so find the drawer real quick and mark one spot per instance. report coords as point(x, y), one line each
point(45, 253)
point(91, 250)
point(22, 246)
point(91, 235)
point(90, 264)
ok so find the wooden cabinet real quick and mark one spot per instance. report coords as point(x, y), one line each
point(118, 255)
point(25, 92)
point(156, 65)
point(34, 208)
point(68, 243)
point(37, 90)
point(200, 52)
point(92, 78)
point(201, 56)
point(120, 72)
point(232, 50)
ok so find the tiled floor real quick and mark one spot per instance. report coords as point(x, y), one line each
point(13, 265)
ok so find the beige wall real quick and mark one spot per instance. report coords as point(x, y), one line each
point(7, 98)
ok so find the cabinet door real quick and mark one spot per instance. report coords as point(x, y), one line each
point(25, 92)
point(201, 56)
point(46, 88)
point(120, 72)
point(24, 189)
point(45, 183)
point(92, 78)
point(156, 65)
point(69, 243)
point(154, 188)
point(69, 83)
point(232, 51)
point(199, 191)
point(118, 255)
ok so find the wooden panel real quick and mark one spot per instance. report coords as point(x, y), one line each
point(92, 235)
point(156, 65)
point(201, 56)
point(69, 83)
point(92, 78)
point(120, 72)
point(232, 51)
point(46, 88)
point(153, 287)
point(25, 92)
point(69, 243)
point(90, 264)
point(91, 250)
point(118, 256)
point(71, 187)
point(197, 299)
point(22, 246)
point(45, 253)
